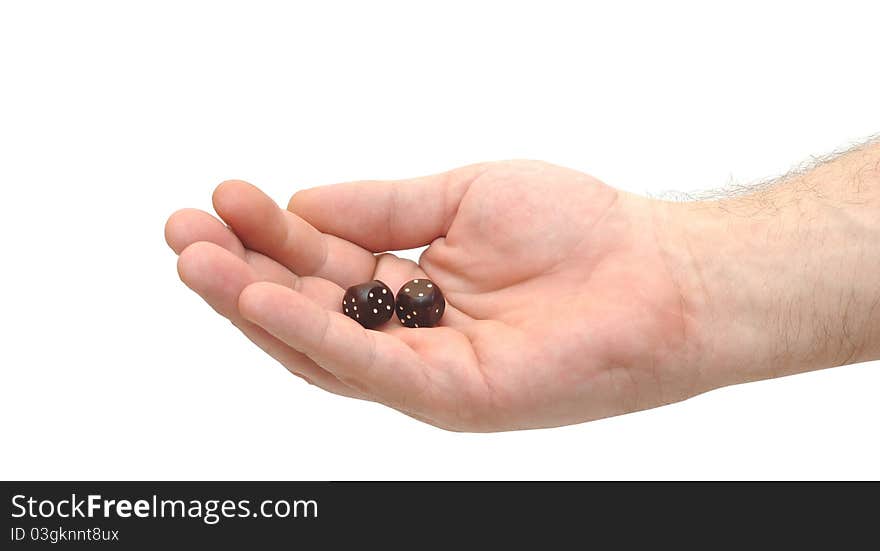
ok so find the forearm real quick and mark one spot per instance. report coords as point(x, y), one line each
point(785, 279)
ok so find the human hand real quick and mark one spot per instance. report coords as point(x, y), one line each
point(560, 308)
point(567, 300)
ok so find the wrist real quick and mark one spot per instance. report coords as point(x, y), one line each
point(784, 280)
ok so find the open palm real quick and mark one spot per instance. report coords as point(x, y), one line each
point(560, 305)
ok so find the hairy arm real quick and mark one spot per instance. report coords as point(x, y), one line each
point(567, 300)
point(786, 278)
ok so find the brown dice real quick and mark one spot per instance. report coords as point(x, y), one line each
point(420, 303)
point(369, 304)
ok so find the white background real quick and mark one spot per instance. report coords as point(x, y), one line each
point(114, 114)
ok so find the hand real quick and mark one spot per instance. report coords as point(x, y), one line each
point(567, 300)
point(560, 305)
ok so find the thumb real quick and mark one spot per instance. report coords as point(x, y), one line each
point(387, 215)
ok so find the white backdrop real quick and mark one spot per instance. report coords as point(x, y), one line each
point(113, 115)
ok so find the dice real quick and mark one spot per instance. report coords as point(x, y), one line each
point(370, 304)
point(420, 303)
